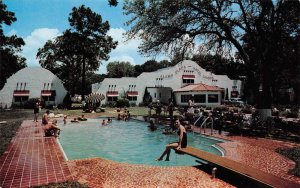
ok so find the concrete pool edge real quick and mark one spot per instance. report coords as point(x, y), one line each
point(61, 149)
point(63, 141)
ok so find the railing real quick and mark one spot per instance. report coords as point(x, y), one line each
point(204, 123)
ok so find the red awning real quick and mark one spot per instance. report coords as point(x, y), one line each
point(112, 94)
point(188, 76)
point(21, 93)
point(46, 93)
point(132, 93)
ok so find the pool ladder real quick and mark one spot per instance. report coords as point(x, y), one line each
point(204, 123)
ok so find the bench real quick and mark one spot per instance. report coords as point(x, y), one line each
point(245, 170)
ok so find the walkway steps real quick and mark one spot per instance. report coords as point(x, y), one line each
point(255, 174)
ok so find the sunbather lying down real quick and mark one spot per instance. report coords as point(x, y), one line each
point(52, 129)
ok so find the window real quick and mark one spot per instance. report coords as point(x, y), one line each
point(200, 98)
point(21, 98)
point(185, 98)
point(213, 98)
point(154, 95)
point(132, 98)
point(159, 95)
point(188, 81)
point(111, 99)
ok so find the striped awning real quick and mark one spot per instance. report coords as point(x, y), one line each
point(188, 76)
point(48, 93)
point(112, 93)
point(21, 93)
point(132, 93)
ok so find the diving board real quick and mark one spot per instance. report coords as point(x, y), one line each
point(253, 173)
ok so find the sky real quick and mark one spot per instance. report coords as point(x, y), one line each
point(41, 20)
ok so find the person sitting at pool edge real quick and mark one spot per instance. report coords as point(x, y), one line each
point(52, 129)
point(45, 118)
point(175, 145)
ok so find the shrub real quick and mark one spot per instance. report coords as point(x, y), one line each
point(30, 104)
point(247, 110)
point(133, 104)
point(122, 103)
point(221, 108)
point(147, 98)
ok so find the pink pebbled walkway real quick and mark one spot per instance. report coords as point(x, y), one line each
point(32, 159)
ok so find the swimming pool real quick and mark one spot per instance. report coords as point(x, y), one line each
point(129, 142)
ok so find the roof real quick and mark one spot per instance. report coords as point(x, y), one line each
point(198, 87)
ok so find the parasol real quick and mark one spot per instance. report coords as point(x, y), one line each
point(94, 98)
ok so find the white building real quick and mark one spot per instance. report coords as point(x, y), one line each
point(34, 82)
point(162, 83)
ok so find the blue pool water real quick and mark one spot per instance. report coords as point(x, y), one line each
point(129, 142)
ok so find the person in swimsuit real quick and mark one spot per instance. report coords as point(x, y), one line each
point(152, 127)
point(52, 129)
point(45, 118)
point(175, 145)
point(36, 110)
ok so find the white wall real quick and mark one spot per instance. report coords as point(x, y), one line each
point(167, 77)
point(35, 77)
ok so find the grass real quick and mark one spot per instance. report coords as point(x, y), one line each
point(13, 120)
point(134, 111)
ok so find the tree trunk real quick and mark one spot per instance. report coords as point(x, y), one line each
point(83, 80)
point(265, 98)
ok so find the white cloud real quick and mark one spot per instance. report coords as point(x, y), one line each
point(125, 51)
point(123, 47)
point(36, 40)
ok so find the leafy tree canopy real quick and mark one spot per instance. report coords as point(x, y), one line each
point(79, 50)
point(220, 27)
point(10, 46)
point(119, 69)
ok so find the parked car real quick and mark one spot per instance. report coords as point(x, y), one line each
point(237, 101)
point(234, 102)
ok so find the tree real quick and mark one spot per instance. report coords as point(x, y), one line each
point(59, 56)
point(150, 66)
point(80, 49)
point(220, 65)
point(10, 46)
point(119, 69)
point(221, 27)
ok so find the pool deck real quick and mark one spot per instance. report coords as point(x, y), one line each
point(32, 160)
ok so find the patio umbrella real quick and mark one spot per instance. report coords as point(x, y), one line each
point(94, 98)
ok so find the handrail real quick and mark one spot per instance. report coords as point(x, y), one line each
point(204, 122)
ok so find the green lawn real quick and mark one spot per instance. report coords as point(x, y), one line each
point(134, 111)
